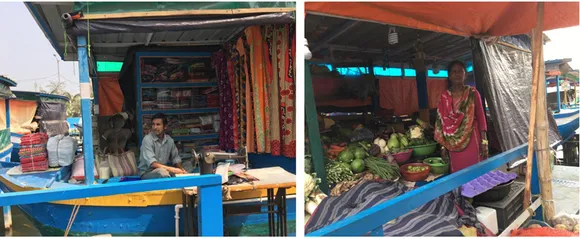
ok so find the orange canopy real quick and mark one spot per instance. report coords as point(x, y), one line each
point(457, 18)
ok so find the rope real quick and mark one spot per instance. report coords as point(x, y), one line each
point(531, 211)
point(72, 218)
point(226, 193)
point(88, 32)
point(65, 40)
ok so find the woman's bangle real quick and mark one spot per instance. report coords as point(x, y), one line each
point(484, 142)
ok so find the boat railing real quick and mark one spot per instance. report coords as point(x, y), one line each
point(209, 209)
point(372, 219)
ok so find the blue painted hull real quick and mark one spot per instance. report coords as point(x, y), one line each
point(52, 219)
point(568, 122)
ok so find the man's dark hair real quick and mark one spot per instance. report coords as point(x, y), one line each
point(160, 116)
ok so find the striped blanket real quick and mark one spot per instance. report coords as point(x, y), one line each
point(439, 217)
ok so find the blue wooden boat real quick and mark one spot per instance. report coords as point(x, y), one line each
point(136, 214)
point(568, 122)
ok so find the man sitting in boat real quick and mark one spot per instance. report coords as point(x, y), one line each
point(159, 156)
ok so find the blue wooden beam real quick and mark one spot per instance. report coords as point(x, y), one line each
point(85, 85)
point(98, 190)
point(210, 212)
point(372, 218)
point(535, 187)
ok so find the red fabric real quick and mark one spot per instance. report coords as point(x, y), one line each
point(469, 18)
point(456, 117)
point(326, 93)
point(395, 93)
point(33, 139)
point(34, 158)
point(35, 166)
point(110, 95)
point(401, 94)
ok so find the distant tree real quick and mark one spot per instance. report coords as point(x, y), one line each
point(73, 106)
point(56, 87)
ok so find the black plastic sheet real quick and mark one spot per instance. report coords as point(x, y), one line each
point(505, 74)
point(51, 111)
point(146, 25)
point(54, 127)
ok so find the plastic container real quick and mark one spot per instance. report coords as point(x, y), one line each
point(488, 216)
point(403, 157)
point(495, 194)
point(485, 183)
point(437, 168)
point(509, 208)
point(423, 150)
point(416, 176)
point(535, 222)
point(104, 172)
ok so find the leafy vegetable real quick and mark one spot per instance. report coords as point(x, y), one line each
point(338, 172)
point(382, 168)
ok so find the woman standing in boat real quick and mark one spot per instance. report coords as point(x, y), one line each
point(460, 127)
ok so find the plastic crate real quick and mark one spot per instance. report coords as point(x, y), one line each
point(509, 208)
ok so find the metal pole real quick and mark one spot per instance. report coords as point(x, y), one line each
point(313, 130)
point(57, 66)
point(558, 93)
point(6, 209)
point(7, 113)
point(85, 90)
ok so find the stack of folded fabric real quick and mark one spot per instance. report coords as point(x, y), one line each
point(33, 154)
point(213, 101)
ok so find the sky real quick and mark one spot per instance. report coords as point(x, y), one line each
point(26, 55)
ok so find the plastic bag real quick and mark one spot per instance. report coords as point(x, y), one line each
point(61, 150)
point(361, 135)
point(565, 219)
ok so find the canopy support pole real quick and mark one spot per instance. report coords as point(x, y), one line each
point(375, 97)
point(86, 105)
point(539, 123)
point(422, 93)
point(314, 141)
point(7, 102)
point(558, 94)
point(6, 210)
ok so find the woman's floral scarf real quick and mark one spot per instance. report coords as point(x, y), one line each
point(454, 127)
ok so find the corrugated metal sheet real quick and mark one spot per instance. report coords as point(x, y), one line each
point(345, 40)
point(112, 47)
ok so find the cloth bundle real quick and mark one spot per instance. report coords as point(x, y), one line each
point(61, 150)
point(213, 101)
point(33, 155)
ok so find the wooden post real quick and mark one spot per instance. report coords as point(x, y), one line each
point(313, 131)
point(541, 124)
point(531, 130)
point(422, 91)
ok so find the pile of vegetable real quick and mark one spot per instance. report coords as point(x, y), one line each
point(416, 169)
point(383, 169)
point(354, 150)
point(420, 134)
point(312, 194)
point(337, 172)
